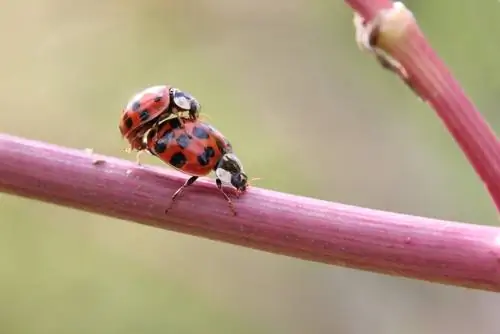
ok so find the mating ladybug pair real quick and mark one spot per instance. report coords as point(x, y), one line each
point(149, 107)
point(163, 121)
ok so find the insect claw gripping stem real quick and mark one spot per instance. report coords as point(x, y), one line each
point(189, 182)
point(138, 157)
point(179, 191)
point(229, 202)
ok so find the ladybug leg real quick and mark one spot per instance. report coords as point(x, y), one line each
point(181, 121)
point(186, 184)
point(231, 205)
point(138, 157)
point(194, 111)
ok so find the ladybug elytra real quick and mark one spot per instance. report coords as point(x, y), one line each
point(196, 148)
point(151, 105)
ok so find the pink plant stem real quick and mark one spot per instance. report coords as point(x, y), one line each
point(369, 8)
point(433, 82)
point(390, 243)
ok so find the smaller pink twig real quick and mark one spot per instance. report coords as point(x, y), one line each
point(390, 32)
point(390, 243)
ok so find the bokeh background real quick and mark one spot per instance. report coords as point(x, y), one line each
point(282, 79)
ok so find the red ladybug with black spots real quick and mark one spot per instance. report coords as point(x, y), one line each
point(196, 148)
point(151, 105)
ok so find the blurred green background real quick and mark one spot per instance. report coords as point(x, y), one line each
point(281, 79)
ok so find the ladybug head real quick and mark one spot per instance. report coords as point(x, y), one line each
point(184, 101)
point(230, 171)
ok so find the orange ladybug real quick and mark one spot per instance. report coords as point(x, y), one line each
point(151, 105)
point(196, 148)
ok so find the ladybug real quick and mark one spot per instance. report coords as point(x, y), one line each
point(196, 148)
point(151, 105)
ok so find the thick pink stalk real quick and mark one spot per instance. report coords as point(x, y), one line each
point(397, 34)
point(389, 243)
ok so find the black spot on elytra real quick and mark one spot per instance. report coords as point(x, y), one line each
point(136, 105)
point(183, 140)
point(144, 115)
point(129, 122)
point(178, 160)
point(200, 132)
point(204, 158)
point(210, 151)
point(157, 99)
point(160, 146)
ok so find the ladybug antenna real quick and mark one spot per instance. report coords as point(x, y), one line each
point(203, 116)
point(253, 179)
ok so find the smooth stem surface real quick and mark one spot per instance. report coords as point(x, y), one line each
point(433, 81)
point(400, 36)
point(390, 243)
